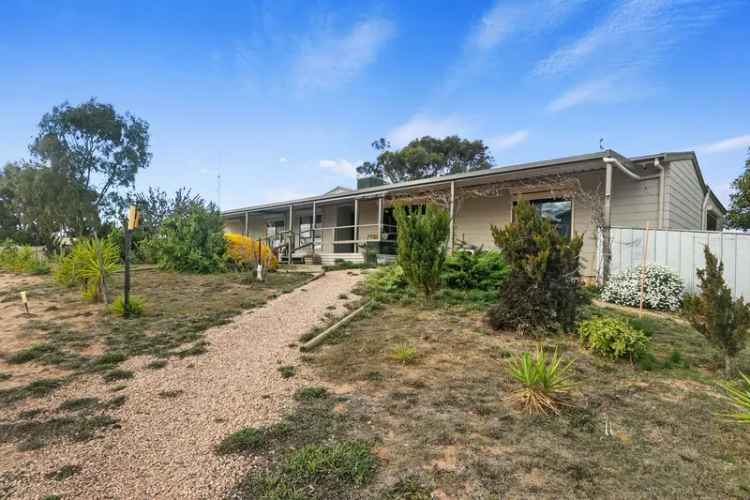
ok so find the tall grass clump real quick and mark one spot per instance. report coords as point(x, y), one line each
point(136, 305)
point(544, 383)
point(740, 396)
point(90, 265)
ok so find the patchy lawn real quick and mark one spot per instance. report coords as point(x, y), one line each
point(442, 423)
point(64, 338)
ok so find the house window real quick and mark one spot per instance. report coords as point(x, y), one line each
point(558, 212)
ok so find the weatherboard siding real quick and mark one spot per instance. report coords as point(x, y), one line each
point(634, 203)
point(683, 197)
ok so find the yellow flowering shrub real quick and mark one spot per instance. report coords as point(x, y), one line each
point(242, 251)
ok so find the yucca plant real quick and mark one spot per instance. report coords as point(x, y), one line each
point(90, 264)
point(545, 383)
point(740, 396)
point(404, 354)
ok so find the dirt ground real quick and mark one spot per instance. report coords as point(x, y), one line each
point(145, 425)
point(444, 426)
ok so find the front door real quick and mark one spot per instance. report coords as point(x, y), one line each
point(345, 218)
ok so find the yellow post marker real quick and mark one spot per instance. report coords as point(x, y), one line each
point(25, 301)
point(134, 216)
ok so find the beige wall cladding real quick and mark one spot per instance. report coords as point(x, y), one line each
point(634, 203)
point(684, 196)
point(476, 215)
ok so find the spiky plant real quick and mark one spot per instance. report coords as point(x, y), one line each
point(544, 383)
point(740, 396)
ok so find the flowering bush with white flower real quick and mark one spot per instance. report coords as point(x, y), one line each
point(662, 288)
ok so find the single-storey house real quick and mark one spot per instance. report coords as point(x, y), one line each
point(577, 193)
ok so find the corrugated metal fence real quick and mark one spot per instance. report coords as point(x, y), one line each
point(683, 252)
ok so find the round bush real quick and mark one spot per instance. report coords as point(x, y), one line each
point(662, 288)
point(613, 338)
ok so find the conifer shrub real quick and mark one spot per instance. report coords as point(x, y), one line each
point(542, 289)
point(722, 320)
point(422, 245)
point(477, 270)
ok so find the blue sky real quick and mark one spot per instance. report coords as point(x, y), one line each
point(284, 98)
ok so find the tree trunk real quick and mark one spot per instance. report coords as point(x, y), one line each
point(728, 366)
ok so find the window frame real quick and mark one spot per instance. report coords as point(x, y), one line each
point(543, 197)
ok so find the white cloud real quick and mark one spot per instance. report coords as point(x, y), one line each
point(506, 19)
point(335, 59)
point(283, 159)
point(733, 143)
point(508, 141)
point(420, 125)
point(504, 22)
point(339, 167)
point(635, 34)
point(591, 91)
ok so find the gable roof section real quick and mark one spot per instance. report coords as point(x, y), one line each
point(685, 155)
point(338, 190)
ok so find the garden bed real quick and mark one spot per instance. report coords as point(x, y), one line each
point(440, 422)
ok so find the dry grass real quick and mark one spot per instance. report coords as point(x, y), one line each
point(447, 424)
point(65, 339)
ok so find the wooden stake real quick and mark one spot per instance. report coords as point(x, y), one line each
point(25, 301)
point(643, 269)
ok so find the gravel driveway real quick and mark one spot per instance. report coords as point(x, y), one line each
point(164, 448)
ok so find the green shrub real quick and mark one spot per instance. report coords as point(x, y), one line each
point(22, 259)
point(544, 385)
point(388, 284)
point(193, 241)
point(478, 270)
point(612, 337)
point(287, 371)
point(404, 354)
point(542, 289)
point(136, 305)
point(90, 265)
point(349, 462)
point(723, 321)
point(247, 439)
point(422, 245)
point(308, 393)
point(740, 396)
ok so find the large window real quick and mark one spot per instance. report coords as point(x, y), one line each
point(558, 212)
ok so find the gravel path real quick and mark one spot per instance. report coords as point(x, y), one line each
point(164, 448)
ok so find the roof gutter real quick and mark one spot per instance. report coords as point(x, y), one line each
point(704, 209)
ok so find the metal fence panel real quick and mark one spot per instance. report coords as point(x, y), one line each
point(683, 252)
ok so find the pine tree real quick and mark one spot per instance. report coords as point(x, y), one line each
point(723, 321)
